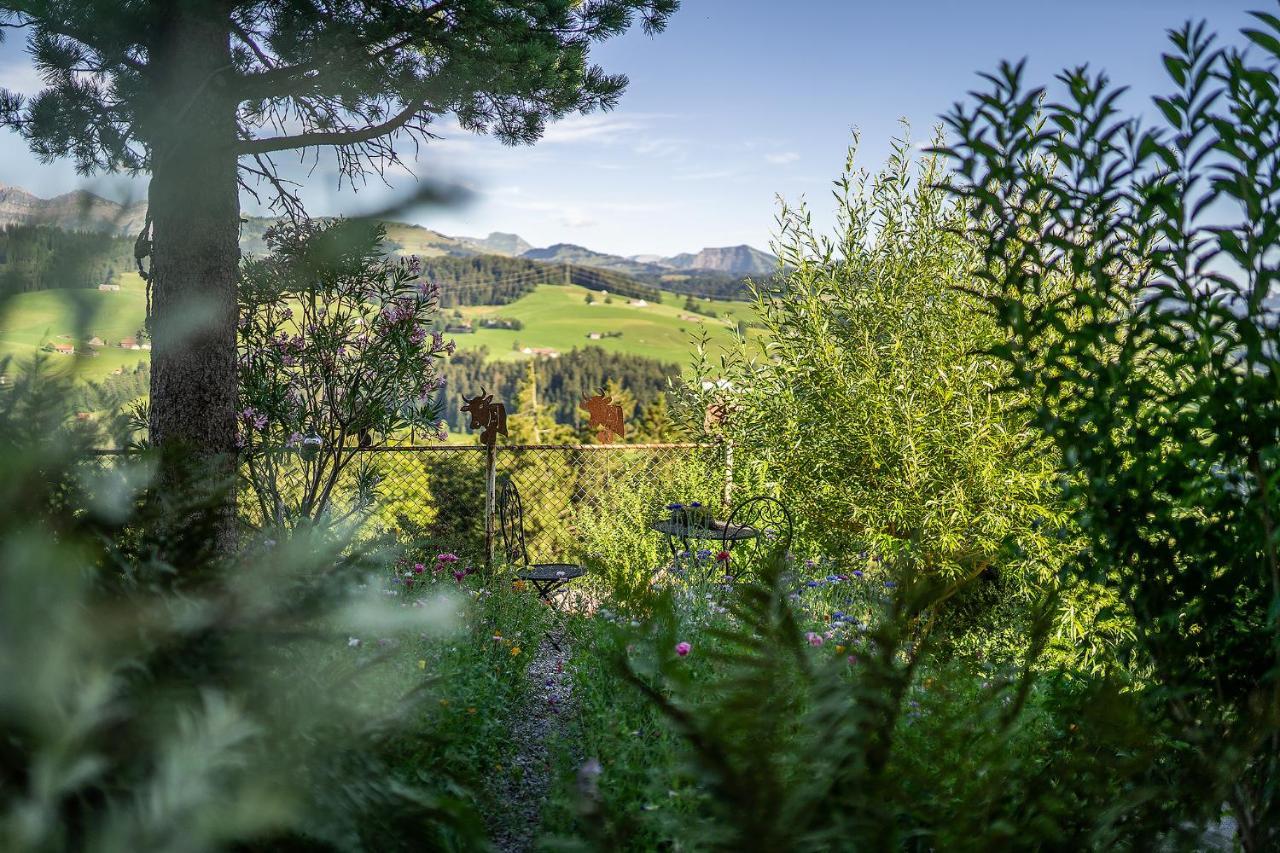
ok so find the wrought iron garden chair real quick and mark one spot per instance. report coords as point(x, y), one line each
point(545, 577)
point(761, 528)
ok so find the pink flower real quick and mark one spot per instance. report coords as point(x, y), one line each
point(683, 648)
point(852, 660)
point(418, 568)
point(458, 576)
point(722, 557)
point(814, 639)
point(446, 558)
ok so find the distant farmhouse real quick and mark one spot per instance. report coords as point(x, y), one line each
point(594, 336)
point(132, 343)
point(638, 303)
point(64, 349)
point(96, 341)
point(107, 286)
point(541, 352)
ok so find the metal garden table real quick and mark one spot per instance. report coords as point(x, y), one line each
point(685, 533)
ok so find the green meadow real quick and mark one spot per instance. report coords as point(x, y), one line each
point(73, 317)
point(555, 317)
point(558, 317)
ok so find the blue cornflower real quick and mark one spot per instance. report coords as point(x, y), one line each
point(857, 573)
point(837, 616)
point(812, 584)
point(832, 578)
point(675, 506)
point(704, 553)
point(889, 584)
point(695, 504)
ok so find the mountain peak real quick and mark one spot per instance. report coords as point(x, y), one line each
point(78, 210)
point(498, 242)
point(737, 260)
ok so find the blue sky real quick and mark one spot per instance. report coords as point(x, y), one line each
point(737, 102)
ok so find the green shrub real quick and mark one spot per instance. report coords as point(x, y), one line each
point(1131, 272)
point(194, 702)
point(869, 403)
point(785, 725)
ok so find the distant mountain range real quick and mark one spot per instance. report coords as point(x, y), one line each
point(730, 260)
point(77, 211)
point(84, 211)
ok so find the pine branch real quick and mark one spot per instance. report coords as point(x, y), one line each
point(333, 138)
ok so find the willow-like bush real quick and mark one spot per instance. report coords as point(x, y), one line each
point(869, 403)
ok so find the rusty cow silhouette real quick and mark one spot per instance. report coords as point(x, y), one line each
point(487, 416)
point(605, 415)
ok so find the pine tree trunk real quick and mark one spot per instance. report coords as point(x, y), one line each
point(194, 206)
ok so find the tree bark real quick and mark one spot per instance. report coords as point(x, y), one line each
point(194, 207)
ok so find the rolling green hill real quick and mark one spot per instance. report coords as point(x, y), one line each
point(554, 317)
point(72, 316)
point(558, 317)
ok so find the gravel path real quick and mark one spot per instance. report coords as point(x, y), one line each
point(523, 787)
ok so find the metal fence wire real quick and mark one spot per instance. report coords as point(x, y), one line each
point(575, 497)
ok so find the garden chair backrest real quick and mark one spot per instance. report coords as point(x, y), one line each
point(511, 520)
point(769, 517)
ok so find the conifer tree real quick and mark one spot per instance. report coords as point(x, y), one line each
point(200, 94)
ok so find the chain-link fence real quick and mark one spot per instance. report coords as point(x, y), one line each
point(577, 499)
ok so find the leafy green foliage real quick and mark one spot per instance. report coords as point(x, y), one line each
point(197, 704)
point(868, 402)
point(730, 720)
point(1131, 271)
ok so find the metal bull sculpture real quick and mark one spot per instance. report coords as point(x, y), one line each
point(488, 417)
point(605, 417)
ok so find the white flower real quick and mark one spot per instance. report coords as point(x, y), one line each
point(353, 642)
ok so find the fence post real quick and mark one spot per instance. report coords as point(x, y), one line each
point(728, 476)
point(490, 502)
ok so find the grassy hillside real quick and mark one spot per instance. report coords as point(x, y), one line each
point(74, 316)
point(554, 316)
point(558, 317)
point(407, 239)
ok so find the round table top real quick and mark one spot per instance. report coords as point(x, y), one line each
point(551, 572)
point(714, 529)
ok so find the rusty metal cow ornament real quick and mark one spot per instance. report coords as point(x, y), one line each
point(488, 417)
point(605, 417)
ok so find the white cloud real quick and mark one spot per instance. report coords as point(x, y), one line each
point(782, 158)
point(663, 148)
point(575, 218)
point(591, 128)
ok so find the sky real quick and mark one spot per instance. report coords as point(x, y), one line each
point(737, 103)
